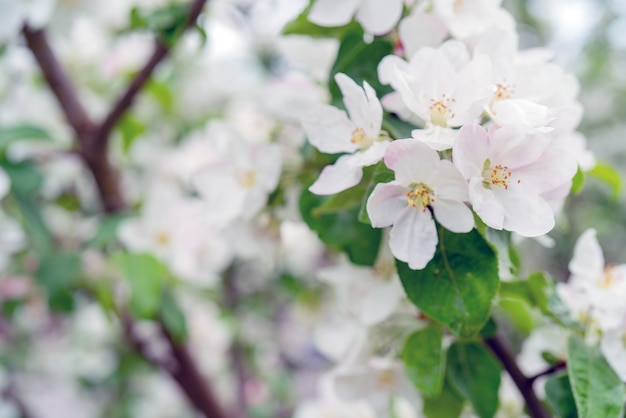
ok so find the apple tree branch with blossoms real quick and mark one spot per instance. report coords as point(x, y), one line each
point(328, 229)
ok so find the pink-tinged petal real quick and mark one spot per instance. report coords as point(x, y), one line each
point(420, 30)
point(379, 16)
point(556, 167)
point(372, 155)
point(525, 213)
point(453, 215)
point(410, 91)
point(385, 204)
point(588, 260)
point(412, 161)
point(485, 204)
point(333, 12)
point(338, 177)
point(517, 146)
point(471, 150)
point(413, 238)
point(449, 183)
point(329, 130)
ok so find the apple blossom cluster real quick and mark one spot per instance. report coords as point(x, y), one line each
point(494, 127)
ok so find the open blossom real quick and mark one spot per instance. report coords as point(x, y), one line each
point(331, 131)
point(377, 16)
point(509, 169)
point(443, 87)
point(424, 186)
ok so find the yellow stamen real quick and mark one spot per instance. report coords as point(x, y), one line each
point(419, 196)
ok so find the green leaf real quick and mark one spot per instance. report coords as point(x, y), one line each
point(448, 404)
point(608, 175)
point(130, 128)
point(161, 92)
point(359, 60)
point(106, 233)
point(38, 233)
point(381, 174)
point(476, 375)
point(346, 200)
point(578, 182)
point(458, 286)
point(560, 397)
point(173, 317)
point(26, 178)
point(146, 277)
point(518, 311)
point(397, 128)
point(302, 26)
point(424, 360)
point(58, 271)
point(598, 391)
point(342, 231)
point(501, 241)
point(10, 134)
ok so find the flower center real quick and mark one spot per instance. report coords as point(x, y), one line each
point(609, 278)
point(247, 179)
point(360, 138)
point(504, 91)
point(163, 238)
point(385, 379)
point(498, 175)
point(385, 269)
point(419, 196)
point(440, 111)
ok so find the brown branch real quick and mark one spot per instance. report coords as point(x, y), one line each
point(93, 141)
point(535, 407)
point(125, 101)
point(558, 366)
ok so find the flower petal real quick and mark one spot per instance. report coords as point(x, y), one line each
point(588, 260)
point(525, 213)
point(453, 215)
point(332, 12)
point(338, 177)
point(362, 103)
point(485, 204)
point(449, 183)
point(471, 150)
point(420, 30)
point(329, 130)
point(413, 238)
point(412, 161)
point(385, 204)
point(379, 16)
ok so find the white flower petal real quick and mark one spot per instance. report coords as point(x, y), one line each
point(338, 177)
point(379, 16)
point(470, 150)
point(449, 183)
point(218, 188)
point(329, 130)
point(588, 260)
point(525, 213)
point(485, 204)
point(332, 12)
point(362, 103)
point(372, 155)
point(413, 238)
point(453, 215)
point(411, 160)
point(385, 204)
point(420, 30)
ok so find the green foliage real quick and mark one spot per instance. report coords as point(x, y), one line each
point(560, 397)
point(173, 317)
point(578, 182)
point(10, 134)
point(167, 22)
point(458, 286)
point(359, 60)
point(449, 403)
point(608, 175)
point(59, 273)
point(381, 175)
point(424, 360)
point(146, 277)
point(130, 128)
point(106, 234)
point(397, 128)
point(475, 374)
point(598, 391)
point(501, 241)
point(341, 229)
point(302, 26)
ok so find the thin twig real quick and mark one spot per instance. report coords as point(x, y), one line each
point(558, 366)
point(536, 409)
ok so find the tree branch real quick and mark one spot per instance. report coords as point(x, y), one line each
point(93, 141)
point(125, 101)
point(560, 365)
point(535, 407)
